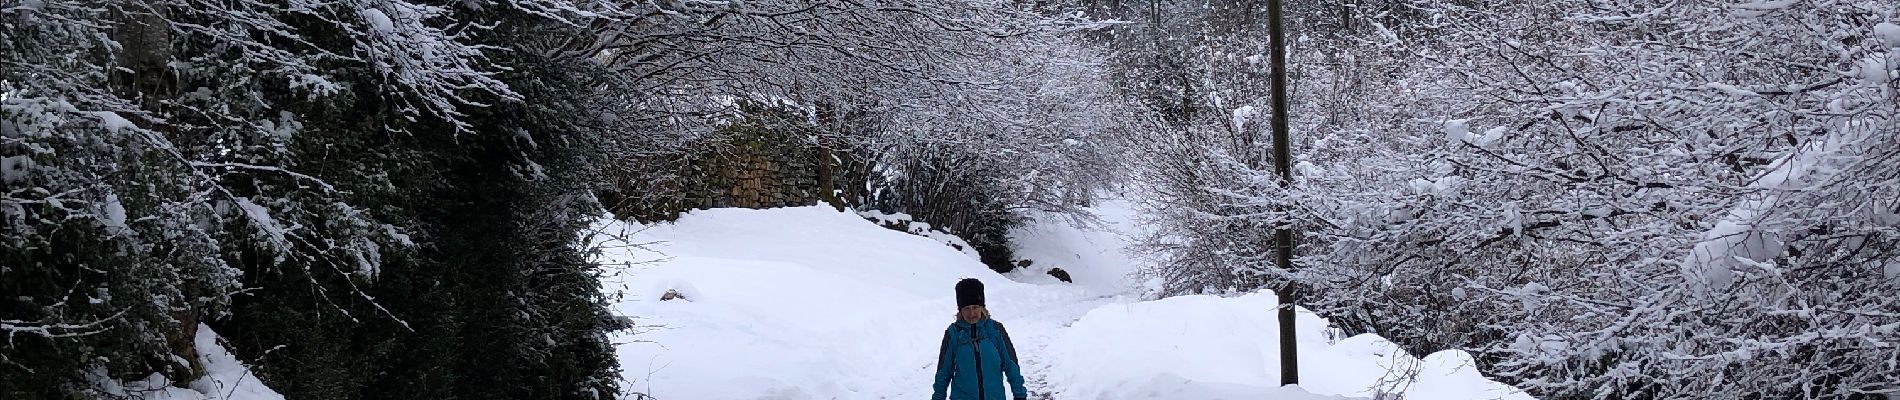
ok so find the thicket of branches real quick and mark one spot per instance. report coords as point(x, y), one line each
point(386, 199)
point(369, 199)
point(1631, 199)
point(964, 114)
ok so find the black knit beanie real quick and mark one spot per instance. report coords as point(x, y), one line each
point(969, 292)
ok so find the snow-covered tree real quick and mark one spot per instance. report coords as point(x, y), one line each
point(1199, 70)
point(995, 109)
point(268, 165)
point(1630, 199)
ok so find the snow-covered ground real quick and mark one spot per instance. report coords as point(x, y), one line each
point(813, 303)
point(225, 378)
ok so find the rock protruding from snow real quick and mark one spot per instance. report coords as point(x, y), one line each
point(1061, 275)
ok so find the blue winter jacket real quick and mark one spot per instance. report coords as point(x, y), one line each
point(975, 360)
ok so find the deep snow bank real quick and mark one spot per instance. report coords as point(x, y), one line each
point(1094, 257)
point(813, 303)
point(225, 378)
point(1230, 346)
point(792, 303)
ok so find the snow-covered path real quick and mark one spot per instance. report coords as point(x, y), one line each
point(812, 303)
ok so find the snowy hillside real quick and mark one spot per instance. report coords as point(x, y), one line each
point(812, 303)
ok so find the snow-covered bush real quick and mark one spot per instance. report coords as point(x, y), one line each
point(275, 167)
point(965, 115)
point(1668, 200)
point(1634, 199)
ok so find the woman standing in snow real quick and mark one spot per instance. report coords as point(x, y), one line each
point(977, 354)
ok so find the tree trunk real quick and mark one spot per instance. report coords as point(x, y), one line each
point(145, 78)
point(1283, 235)
point(826, 164)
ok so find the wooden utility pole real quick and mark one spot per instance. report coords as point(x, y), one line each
point(1282, 164)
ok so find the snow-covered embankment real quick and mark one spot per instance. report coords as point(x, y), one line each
point(813, 303)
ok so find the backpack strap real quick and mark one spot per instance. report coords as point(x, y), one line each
point(943, 354)
point(1008, 345)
